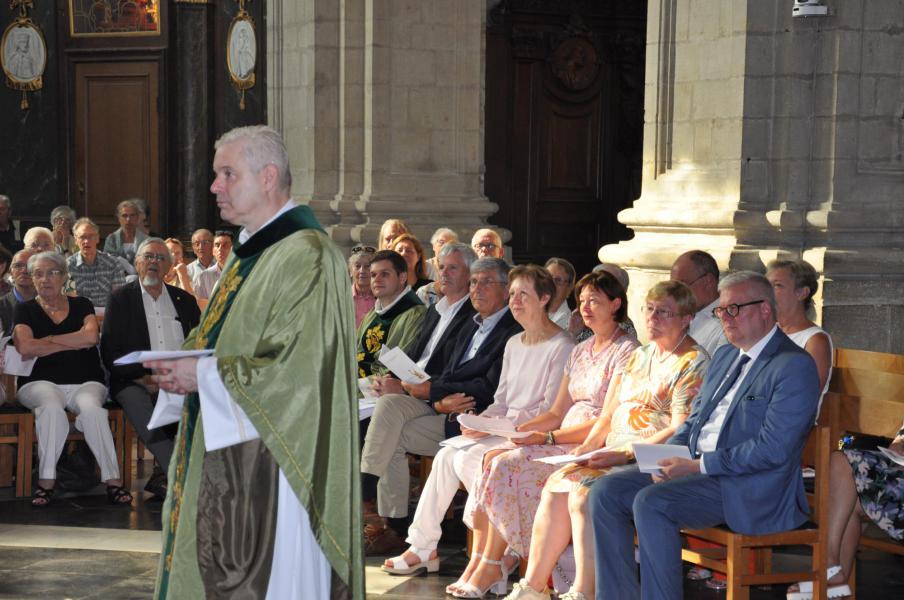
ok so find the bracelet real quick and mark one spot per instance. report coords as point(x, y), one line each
point(550, 438)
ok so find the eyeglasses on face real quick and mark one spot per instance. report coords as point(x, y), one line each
point(657, 313)
point(478, 283)
point(19, 266)
point(360, 249)
point(38, 274)
point(732, 310)
point(151, 257)
point(485, 246)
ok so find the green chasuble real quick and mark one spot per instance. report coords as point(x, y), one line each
point(398, 327)
point(280, 321)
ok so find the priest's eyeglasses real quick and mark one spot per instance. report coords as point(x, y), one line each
point(732, 310)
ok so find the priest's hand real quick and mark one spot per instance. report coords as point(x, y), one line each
point(176, 376)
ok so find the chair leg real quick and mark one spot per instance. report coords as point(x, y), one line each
point(23, 450)
point(852, 579)
point(737, 560)
point(28, 423)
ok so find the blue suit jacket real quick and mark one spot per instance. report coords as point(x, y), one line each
point(757, 456)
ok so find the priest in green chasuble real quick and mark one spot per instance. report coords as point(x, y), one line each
point(264, 499)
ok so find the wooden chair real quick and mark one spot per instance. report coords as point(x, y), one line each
point(733, 558)
point(16, 426)
point(872, 387)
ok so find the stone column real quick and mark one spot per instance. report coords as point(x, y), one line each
point(771, 136)
point(381, 104)
point(191, 25)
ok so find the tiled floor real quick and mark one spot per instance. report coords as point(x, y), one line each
point(82, 548)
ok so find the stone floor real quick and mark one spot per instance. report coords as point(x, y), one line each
point(82, 548)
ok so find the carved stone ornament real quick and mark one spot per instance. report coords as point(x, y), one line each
point(23, 53)
point(241, 52)
point(574, 63)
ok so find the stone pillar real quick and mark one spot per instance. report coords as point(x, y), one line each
point(191, 24)
point(771, 136)
point(381, 104)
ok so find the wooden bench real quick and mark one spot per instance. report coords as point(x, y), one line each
point(872, 388)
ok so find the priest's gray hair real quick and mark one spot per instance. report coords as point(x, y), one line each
point(153, 240)
point(56, 258)
point(261, 146)
point(487, 263)
point(463, 250)
point(756, 281)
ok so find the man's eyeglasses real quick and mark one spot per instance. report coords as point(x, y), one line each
point(657, 313)
point(45, 274)
point(199, 243)
point(360, 249)
point(732, 310)
point(485, 246)
point(478, 283)
point(151, 257)
point(19, 266)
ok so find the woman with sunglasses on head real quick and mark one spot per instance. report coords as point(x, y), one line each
point(62, 333)
point(645, 403)
point(359, 271)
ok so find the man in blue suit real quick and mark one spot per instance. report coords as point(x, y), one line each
point(745, 433)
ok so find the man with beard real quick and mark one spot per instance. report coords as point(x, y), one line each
point(170, 313)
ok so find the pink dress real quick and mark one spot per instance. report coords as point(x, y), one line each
point(509, 488)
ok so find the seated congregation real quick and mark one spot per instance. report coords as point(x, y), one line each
point(734, 370)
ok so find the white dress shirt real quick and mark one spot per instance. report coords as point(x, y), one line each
point(164, 329)
point(484, 329)
point(446, 314)
point(709, 434)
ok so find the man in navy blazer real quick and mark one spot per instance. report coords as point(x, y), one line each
point(746, 431)
point(146, 315)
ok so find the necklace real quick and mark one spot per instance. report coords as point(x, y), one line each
point(672, 351)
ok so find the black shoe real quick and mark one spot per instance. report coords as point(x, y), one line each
point(157, 485)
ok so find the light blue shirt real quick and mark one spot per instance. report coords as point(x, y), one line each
point(484, 329)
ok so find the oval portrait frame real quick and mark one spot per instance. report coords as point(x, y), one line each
point(36, 50)
point(237, 59)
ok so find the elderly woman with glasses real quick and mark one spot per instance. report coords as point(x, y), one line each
point(125, 240)
point(62, 333)
point(359, 271)
point(62, 218)
point(645, 403)
point(564, 276)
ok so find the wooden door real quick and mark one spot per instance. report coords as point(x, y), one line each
point(116, 139)
point(564, 124)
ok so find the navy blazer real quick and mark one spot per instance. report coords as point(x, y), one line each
point(479, 376)
point(125, 329)
point(757, 456)
point(442, 353)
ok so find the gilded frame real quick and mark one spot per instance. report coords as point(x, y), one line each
point(90, 17)
point(241, 53)
point(23, 57)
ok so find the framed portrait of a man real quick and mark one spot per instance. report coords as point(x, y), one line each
point(23, 54)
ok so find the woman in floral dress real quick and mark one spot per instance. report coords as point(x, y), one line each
point(866, 484)
point(647, 402)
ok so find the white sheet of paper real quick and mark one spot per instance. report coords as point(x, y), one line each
point(366, 408)
point(570, 458)
point(14, 364)
point(461, 442)
point(649, 455)
point(402, 367)
point(892, 455)
point(167, 410)
point(500, 427)
point(141, 356)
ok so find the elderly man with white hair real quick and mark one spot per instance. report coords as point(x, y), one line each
point(487, 244)
point(95, 273)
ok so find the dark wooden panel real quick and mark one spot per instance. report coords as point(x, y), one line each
point(116, 138)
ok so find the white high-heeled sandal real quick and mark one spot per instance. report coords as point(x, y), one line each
point(401, 567)
point(805, 588)
point(498, 587)
point(450, 589)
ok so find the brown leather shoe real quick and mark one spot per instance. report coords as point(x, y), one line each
point(371, 517)
point(383, 542)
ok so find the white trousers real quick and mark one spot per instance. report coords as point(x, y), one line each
point(49, 402)
point(450, 466)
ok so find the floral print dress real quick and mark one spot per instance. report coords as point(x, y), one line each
point(509, 488)
point(880, 486)
point(646, 405)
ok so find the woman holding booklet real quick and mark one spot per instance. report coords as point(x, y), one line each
point(645, 403)
point(532, 367)
point(582, 391)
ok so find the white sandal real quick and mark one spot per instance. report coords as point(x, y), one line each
point(498, 587)
point(450, 589)
point(401, 567)
point(805, 588)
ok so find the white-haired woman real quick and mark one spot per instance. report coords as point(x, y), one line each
point(62, 218)
point(62, 333)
